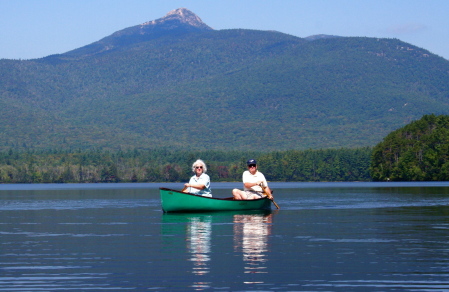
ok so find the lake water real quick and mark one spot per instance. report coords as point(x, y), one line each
point(325, 237)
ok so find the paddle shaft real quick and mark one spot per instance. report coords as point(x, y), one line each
point(269, 197)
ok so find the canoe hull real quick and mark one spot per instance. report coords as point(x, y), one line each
point(176, 201)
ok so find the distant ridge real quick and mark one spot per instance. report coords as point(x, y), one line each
point(320, 36)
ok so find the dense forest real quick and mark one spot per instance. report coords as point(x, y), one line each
point(162, 165)
point(417, 152)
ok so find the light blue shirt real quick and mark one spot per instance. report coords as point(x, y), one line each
point(203, 179)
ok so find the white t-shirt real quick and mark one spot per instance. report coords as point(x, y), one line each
point(203, 179)
point(253, 178)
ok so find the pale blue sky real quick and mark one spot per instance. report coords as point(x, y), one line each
point(38, 28)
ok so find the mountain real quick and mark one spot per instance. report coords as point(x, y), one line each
point(176, 82)
point(176, 23)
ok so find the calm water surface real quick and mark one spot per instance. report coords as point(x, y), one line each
point(326, 237)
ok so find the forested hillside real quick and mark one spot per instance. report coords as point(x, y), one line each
point(417, 152)
point(205, 89)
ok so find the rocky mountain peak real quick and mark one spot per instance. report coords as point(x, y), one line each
point(180, 16)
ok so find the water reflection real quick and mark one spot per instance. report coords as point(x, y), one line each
point(199, 232)
point(251, 236)
point(248, 232)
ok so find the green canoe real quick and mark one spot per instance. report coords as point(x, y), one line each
point(176, 201)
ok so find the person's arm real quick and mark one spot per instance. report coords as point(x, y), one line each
point(267, 191)
point(265, 188)
point(202, 183)
point(249, 185)
point(196, 186)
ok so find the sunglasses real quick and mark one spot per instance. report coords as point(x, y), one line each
point(251, 165)
point(198, 167)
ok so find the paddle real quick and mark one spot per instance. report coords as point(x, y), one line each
point(270, 196)
point(185, 188)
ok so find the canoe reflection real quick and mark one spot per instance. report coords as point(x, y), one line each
point(251, 236)
point(194, 231)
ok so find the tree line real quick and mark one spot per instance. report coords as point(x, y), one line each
point(417, 152)
point(164, 165)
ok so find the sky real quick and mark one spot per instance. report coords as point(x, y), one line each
point(38, 28)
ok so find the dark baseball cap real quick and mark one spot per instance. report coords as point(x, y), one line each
point(251, 161)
